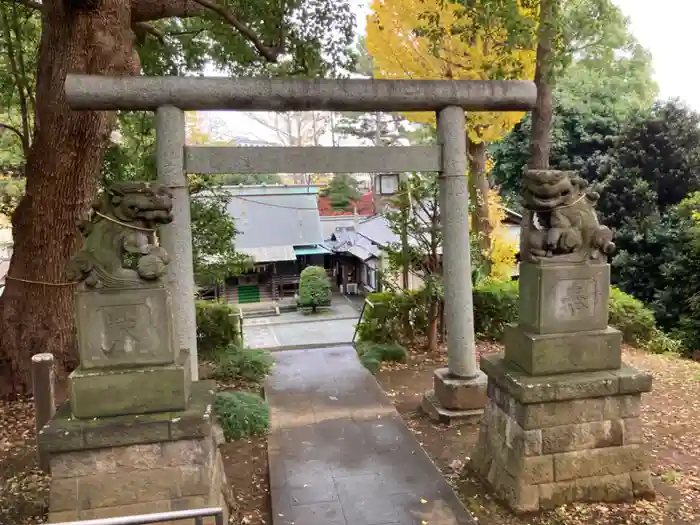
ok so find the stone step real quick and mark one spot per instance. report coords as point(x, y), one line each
point(263, 309)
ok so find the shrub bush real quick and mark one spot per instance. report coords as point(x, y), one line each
point(218, 327)
point(662, 343)
point(384, 321)
point(687, 332)
point(373, 354)
point(314, 288)
point(495, 306)
point(631, 317)
point(242, 414)
point(242, 363)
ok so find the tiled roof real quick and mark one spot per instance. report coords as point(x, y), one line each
point(365, 206)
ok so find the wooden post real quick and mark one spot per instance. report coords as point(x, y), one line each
point(44, 396)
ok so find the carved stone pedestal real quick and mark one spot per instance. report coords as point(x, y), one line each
point(454, 399)
point(129, 360)
point(550, 440)
point(562, 419)
point(128, 465)
point(136, 436)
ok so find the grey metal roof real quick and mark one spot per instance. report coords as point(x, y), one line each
point(331, 223)
point(378, 230)
point(270, 253)
point(275, 218)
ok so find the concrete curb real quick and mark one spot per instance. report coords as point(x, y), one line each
point(310, 346)
point(302, 321)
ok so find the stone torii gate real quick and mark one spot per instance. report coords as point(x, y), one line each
point(461, 387)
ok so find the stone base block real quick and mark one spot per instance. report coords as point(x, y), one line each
point(454, 393)
point(547, 441)
point(125, 327)
point(106, 393)
point(538, 354)
point(438, 413)
point(557, 298)
point(135, 465)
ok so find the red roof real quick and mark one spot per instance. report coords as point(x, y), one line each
point(365, 206)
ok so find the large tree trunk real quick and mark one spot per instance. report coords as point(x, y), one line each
point(479, 189)
point(36, 310)
point(543, 111)
point(433, 324)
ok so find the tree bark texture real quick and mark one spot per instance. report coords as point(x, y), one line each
point(433, 319)
point(63, 165)
point(36, 310)
point(479, 194)
point(542, 114)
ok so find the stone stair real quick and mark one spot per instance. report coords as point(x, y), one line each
point(262, 309)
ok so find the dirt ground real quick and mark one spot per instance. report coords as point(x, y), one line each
point(672, 437)
point(245, 463)
point(24, 488)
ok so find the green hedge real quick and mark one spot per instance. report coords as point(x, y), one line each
point(218, 327)
point(314, 288)
point(496, 306)
point(384, 318)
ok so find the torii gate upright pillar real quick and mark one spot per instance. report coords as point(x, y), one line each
point(459, 391)
point(460, 388)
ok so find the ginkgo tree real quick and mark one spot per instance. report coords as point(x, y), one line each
point(435, 39)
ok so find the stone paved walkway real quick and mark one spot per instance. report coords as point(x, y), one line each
point(341, 455)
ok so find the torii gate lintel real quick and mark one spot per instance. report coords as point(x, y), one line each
point(169, 97)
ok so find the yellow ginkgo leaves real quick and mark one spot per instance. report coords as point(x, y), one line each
point(435, 39)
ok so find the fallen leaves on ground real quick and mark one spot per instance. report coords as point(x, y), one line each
point(23, 487)
point(671, 414)
point(672, 436)
point(245, 464)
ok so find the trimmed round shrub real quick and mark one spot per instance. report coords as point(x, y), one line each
point(631, 317)
point(242, 414)
point(314, 288)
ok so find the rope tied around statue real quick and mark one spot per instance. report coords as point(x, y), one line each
point(120, 248)
point(561, 224)
point(71, 283)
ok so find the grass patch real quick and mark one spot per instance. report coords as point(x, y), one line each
point(242, 414)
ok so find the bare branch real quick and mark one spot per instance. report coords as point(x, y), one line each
point(287, 138)
point(13, 130)
point(268, 53)
point(148, 10)
point(147, 29)
point(30, 3)
point(185, 33)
